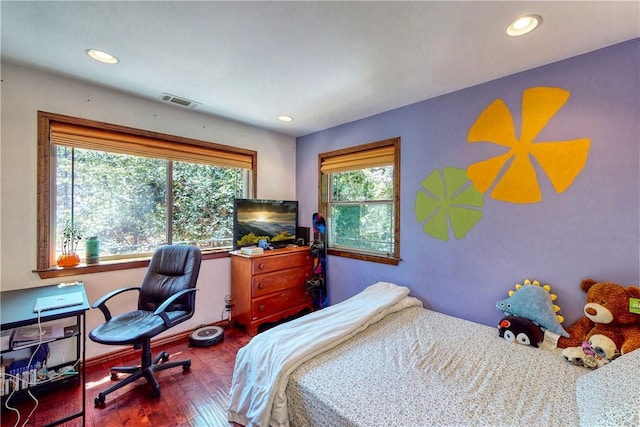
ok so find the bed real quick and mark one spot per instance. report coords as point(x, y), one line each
point(380, 358)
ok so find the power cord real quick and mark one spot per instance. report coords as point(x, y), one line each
point(34, 380)
point(15, 380)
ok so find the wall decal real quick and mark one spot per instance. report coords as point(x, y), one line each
point(449, 196)
point(561, 161)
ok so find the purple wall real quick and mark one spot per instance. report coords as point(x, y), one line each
point(590, 230)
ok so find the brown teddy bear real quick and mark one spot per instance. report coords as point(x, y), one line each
point(606, 313)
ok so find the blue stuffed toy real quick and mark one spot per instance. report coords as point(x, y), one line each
point(534, 302)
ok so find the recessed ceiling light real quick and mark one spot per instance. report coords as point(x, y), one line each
point(285, 118)
point(102, 56)
point(524, 25)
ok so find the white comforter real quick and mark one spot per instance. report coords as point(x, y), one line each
point(263, 366)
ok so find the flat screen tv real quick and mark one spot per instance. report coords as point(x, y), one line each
point(272, 220)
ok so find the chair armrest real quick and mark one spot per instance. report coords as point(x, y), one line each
point(160, 311)
point(101, 302)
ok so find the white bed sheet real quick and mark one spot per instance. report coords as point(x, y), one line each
point(419, 367)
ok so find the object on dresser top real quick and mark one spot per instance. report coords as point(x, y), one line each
point(251, 250)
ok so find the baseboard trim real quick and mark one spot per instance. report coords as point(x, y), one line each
point(108, 358)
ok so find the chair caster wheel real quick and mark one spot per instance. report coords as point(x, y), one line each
point(165, 356)
point(155, 394)
point(186, 366)
point(99, 402)
point(114, 376)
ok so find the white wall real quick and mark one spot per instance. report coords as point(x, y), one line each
point(24, 91)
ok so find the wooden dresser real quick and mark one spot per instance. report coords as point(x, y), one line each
point(269, 287)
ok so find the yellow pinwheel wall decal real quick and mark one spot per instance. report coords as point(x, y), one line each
point(449, 195)
point(561, 161)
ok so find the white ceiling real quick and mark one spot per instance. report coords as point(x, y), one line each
point(323, 63)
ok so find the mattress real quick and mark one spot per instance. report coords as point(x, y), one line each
point(419, 367)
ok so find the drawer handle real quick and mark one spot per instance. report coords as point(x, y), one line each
point(260, 266)
point(261, 286)
point(261, 308)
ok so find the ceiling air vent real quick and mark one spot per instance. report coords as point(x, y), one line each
point(179, 101)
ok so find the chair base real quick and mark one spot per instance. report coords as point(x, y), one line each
point(146, 370)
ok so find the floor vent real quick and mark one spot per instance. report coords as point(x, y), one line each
point(179, 101)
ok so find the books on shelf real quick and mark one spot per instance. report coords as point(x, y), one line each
point(251, 250)
point(28, 336)
point(21, 374)
point(5, 377)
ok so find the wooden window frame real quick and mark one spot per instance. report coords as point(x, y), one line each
point(351, 156)
point(45, 168)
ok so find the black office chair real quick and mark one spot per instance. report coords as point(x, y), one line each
point(165, 298)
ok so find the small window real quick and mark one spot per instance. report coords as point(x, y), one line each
point(135, 190)
point(360, 198)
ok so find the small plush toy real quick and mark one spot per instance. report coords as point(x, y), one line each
point(574, 355)
point(607, 313)
point(593, 354)
point(534, 302)
point(520, 331)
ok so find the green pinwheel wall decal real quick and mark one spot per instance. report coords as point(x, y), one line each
point(561, 161)
point(448, 199)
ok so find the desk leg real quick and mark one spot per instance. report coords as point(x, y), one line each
point(83, 383)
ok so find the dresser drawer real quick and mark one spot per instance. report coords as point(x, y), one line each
point(275, 303)
point(263, 284)
point(268, 264)
point(270, 287)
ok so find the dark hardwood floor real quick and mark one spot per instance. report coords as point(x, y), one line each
point(198, 397)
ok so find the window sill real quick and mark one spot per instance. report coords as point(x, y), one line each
point(53, 272)
point(364, 257)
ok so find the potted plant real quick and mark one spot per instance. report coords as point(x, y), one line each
point(70, 238)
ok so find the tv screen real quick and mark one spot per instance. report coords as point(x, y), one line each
point(272, 220)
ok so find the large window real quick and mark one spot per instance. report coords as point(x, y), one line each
point(135, 190)
point(360, 197)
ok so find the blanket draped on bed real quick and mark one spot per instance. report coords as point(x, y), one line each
point(258, 389)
